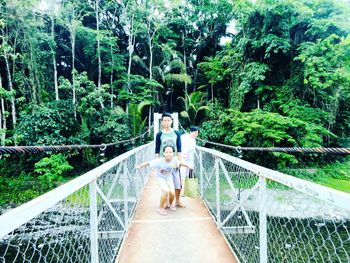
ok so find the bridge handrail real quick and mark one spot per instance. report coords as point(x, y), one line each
point(332, 196)
point(24, 213)
point(268, 216)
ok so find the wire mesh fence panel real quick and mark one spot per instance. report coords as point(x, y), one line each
point(207, 182)
point(302, 228)
point(239, 222)
point(267, 216)
point(110, 212)
point(60, 234)
point(65, 224)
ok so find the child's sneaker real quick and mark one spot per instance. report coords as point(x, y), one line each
point(161, 211)
point(172, 208)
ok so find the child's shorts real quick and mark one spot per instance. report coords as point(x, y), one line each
point(166, 184)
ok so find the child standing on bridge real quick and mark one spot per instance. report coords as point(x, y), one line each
point(166, 166)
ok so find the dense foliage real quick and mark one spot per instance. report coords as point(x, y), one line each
point(90, 72)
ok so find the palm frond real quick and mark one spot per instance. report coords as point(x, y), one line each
point(158, 74)
point(201, 87)
point(184, 114)
point(143, 104)
point(181, 78)
point(136, 59)
point(177, 66)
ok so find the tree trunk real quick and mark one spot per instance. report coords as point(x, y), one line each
point(35, 74)
point(150, 57)
point(129, 63)
point(54, 58)
point(1, 110)
point(150, 77)
point(150, 60)
point(1, 116)
point(32, 77)
point(98, 43)
point(111, 75)
point(3, 125)
point(131, 51)
point(184, 55)
point(9, 80)
point(97, 6)
point(73, 33)
point(2, 119)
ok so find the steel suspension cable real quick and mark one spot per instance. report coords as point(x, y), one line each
point(239, 149)
point(60, 148)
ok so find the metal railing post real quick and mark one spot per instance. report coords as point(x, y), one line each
point(262, 221)
point(201, 185)
point(93, 222)
point(217, 180)
point(125, 183)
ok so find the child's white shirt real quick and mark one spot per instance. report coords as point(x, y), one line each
point(164, 168)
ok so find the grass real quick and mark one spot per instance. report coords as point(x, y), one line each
point(335, 175)
point(337, 184)
point(80, 197)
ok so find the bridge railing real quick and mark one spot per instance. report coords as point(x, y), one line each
point(83, 220)
point(267, 216)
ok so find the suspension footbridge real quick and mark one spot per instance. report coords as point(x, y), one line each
point(246, 213)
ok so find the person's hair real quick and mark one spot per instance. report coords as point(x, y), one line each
point(166, 114)
point(172, 147)
point(194, 128)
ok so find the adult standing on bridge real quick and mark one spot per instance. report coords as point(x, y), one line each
point(169, 137)
point(188, 143)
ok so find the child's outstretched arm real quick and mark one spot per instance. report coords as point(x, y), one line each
point(185, 164)
point(142, 165)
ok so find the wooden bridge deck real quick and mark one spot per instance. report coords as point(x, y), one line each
point(185, 235)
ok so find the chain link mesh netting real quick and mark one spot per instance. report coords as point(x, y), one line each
point(62, 233)
point(297, 226)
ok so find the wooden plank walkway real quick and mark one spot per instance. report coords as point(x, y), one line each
point(185, 235)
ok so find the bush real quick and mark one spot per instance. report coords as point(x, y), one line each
point(50, 170)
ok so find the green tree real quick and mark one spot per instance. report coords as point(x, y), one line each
point(262, 129)
point(326, 74)
point(52, 123)
point(51, 170)
point(72, 18)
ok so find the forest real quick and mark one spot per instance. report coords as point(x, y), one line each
point(264, 73)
